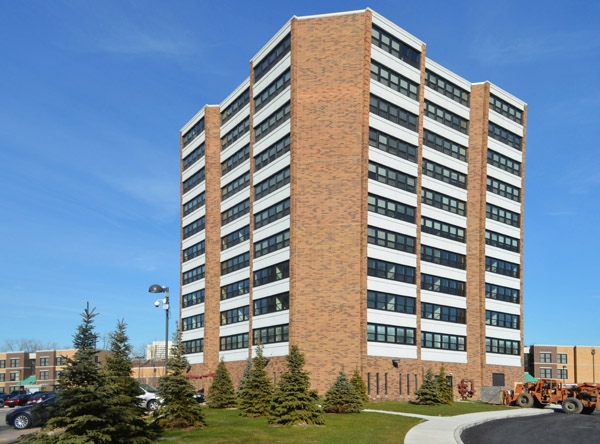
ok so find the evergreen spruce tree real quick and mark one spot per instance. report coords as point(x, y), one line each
point(446, 394)
point(360, 386)
point(255, 396)
point(125, 412)
point(245, 376)
point(221, 394)
point(429, 392)
point(179, 409)
point(342, 397)
point(293, 402)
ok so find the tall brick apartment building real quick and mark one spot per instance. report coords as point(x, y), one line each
point(355, 198)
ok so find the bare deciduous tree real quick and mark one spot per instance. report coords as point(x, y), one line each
point(28, 345)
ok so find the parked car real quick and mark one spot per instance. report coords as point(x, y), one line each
point(40, 396)
point(16, 401)
point(30, 415)
point(149, 400)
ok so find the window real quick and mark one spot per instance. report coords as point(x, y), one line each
point(503, 189)
point(235, 315)
point(272, 91)
point(235, 238)
point(273, 243)
point(446, 117)
point(234, 342)
point(193, 251)
point(235, 160)
point(194, 132)
point(236, 106)
point(545, 372)
point(443, 257)
point(194, 298)
point(192, 322)
point(390, 302)
point(502, 107)
point(237, 132)
point(14, 376)
point(390, 334)
point(235, 212)
point(563, 373)
point(272, 304)
point(45, 361)
point(444, 145)
point(502, 346)
point(272, 183)
point(501, 293)
point(195, 179)
point(391, 145)
point(15, 363)
point(443, 202)
point(501, 267)
point(394, 178)
point(390, 270)
point(395, 47)
point(2, 378)
point(2, 363)
point(236, 185)
point(502, 241)
point(392, 79)
point(501, 215)
point(443, 313)
point(442, 229)
point(193, 157)
point(271, 335)
point(391, 208)
point(193, 275)
point(272, 122)
point(561, 358)
point(193, 228)
point(446, 88)
point(60, 360)
point(498, 319)
point(271, 214)
point(444, 174)
point(272, 153)
point(498, 380)
point(443, 341)
point(235, 263)
point(193, 346)
point(393, 113)
point(442, 285)
point(390, 239)
point(236, 289)
point(273, 273)
point(194, 204)
point(504, 163)
point(545, 358)
point(272, 58)
point(504, 136)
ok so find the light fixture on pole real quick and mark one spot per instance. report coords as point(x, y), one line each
point(160, 289)
point(593, 365)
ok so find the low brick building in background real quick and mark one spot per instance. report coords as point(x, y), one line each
point(359, 200)
point(572, 364)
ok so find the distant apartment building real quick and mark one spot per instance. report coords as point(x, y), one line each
point(572, 364)
point(355, 198)
point(156, 350)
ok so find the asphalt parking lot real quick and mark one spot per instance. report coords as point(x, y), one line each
point(556, 428)
point(9, 434)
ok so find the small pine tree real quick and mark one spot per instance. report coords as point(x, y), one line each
point(342, 397)
point(255, 396)
point(245, 376)
point(293, 402)
point(445, 390)
point(179, 409)
point(221, 394)
point(360, 386)
point(429, 392)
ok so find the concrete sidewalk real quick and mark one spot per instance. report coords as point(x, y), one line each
point(447, 429)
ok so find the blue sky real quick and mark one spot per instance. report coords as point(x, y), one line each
point(93, 94)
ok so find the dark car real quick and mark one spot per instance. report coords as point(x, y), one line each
point(16, 401)
point(38, 397)
point(30, 415)
point(4, 397)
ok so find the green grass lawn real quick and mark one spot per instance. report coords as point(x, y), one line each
point(457, 408)
point(227, 427)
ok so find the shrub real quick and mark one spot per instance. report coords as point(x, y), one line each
point(342, 397)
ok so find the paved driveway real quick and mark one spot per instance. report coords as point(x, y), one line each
point(10, 434)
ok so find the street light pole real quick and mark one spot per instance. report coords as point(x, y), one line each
point(594, 365)
point(160, 289)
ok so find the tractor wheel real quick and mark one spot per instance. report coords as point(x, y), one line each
point(525, 400)
point(572, 406)
point(588, 410)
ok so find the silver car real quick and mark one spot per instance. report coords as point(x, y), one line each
point(149, 400)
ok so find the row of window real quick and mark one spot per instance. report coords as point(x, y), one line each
point(194, 132)
point(498, 319)
point(272, 58)
point(235, 263)
point(443, 202)
point(192, 322)
point(502, 215)
point(443, 257)
point(272, 183)
point(501, 267)
point(194, 298)
point(442, 285)
point(271, 335)
point(193, 346)
point(272, 153)
point(390, 334)
point(196, 179)
point(272, 91)
point(389, 144)
point(444, 174)
point(235, 238)
point(446, 117)
point(507, 110)
point(272, 273)
point(447, 88)
point(500, 293)
point(502, 241)
point(44, 362)
point(443, 341)
point(272, 304)
point(271, 214)
point(391, 239)
point(393, 113)
point(235, 315)
point(395, 47)
point(546, 373)
point(546, 358)
point(272, 243)
point(443, 313)
point(443, 145)
point(504, 163)
point(390, 302)
point(391, 208)
point(236, 106)
point(193, 157)
point(194, 274)
point(195, 227)
point(502, 346)
point(503, 189)
point(389, 270)
point(235, 289)
point(194, 251)
point(442, 229)
point(235, 186)
point(272, 122)
point(392, 79)
point(192, 205)
point(233, 342)
point(235, 212)
point(505, 136)
point(392, 177)
point(236, 159)
point(238, 131)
